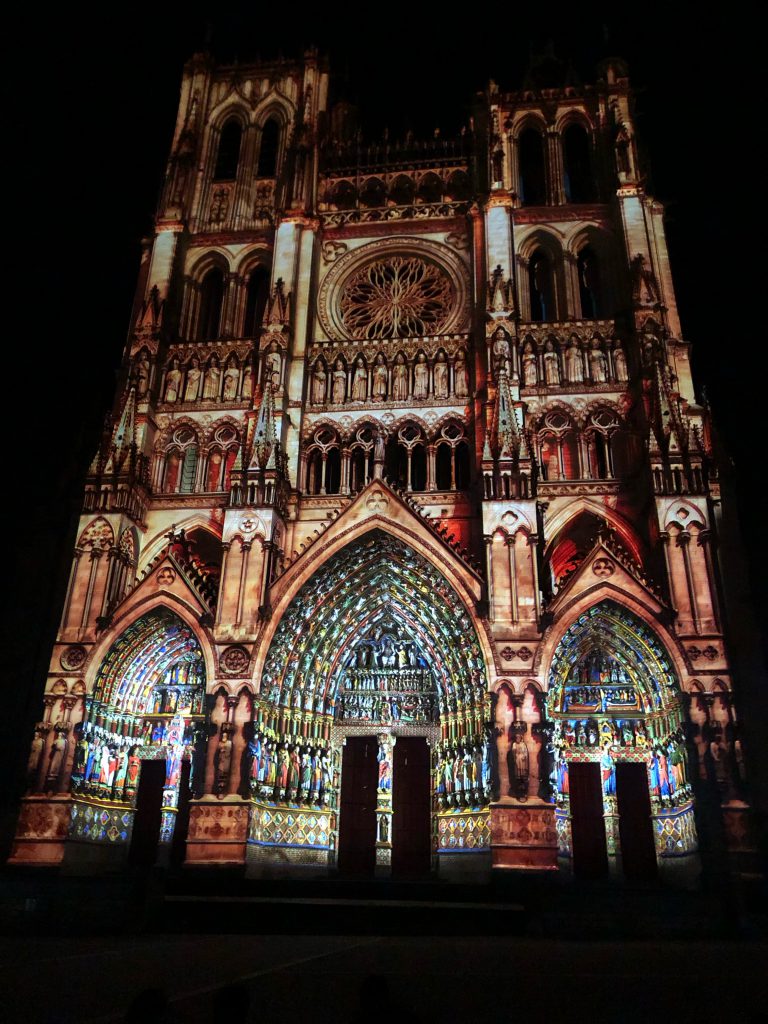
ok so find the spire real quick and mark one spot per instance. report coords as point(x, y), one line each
point(265, 435)
point(506, 429)
point(124, 436)
point(670, 426)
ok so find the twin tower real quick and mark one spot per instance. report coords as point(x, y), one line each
point(396, 555)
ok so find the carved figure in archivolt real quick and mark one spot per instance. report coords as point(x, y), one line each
point(421, 377)
point(231, 379)
point(441, 376)
point(319, 377)
point(173, 382)
point(360, 381)
point(400, 379)
point(380, 379)
point(194, 374)
point(339, 390)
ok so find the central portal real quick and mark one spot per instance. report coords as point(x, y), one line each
point(373, 795)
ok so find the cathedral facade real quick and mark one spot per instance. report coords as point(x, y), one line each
point(396, 556)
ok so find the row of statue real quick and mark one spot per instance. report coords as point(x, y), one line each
point(463, 774)
point(389, 680)
point(282, 770)
point(387, 708)
point(572, 363)
point(380, 382)
point(193, 383)
point(600, 698)
point(590, 733)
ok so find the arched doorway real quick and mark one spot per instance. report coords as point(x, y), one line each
point(624, 800)
point(376, 649)
point(135, 757)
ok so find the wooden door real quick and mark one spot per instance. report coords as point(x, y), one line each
point(411, 807)
point(638, 853)
point(590, 852)
point(148, 814)
point(357, 818)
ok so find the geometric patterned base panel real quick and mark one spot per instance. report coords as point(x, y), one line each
point(101, 823)
point(284, 826)
point(675, 832)
point(463, 833)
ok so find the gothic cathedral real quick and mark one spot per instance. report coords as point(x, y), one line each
point(395, 558)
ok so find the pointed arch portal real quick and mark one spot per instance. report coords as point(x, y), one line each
point(376, 644)
point(624, 799)
point(147, 706)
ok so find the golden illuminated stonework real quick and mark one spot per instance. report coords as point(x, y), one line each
point(403, 296)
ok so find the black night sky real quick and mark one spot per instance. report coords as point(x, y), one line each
point(93, 101)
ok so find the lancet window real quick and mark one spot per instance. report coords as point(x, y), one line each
point(530, 148)
point(228, 155)
point(577, 165)
point(269, 150)
point(323, 464)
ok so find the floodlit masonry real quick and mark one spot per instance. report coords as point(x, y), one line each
point(395, 557)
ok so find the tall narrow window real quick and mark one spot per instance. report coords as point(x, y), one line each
point(531, 156)
point(540, 287)
point(228, 155)
point(211, 299)
point(268, 150)
point(577, 161)
point(255, 301)
point(589, 285)
point(189, 470)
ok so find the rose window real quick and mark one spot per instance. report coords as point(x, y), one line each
point(397, 298)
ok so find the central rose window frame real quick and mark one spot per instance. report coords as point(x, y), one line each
point(391, 289)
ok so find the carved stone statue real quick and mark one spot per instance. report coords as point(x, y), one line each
point(231, 380)
point(530, 371)
point(380, 375)
point(551, 364)
point(319, 377)
point(400, 379)
point(194, 373)
point(421, 377)
point(619, 362)
point(173, 382)
point(598, 365)
point(518, 767)
point(460, 376)
point(441, 377)
point(35, 753)
point(58, 752)
point(574, 365)
point(339, 388)
point(223, 762)
point(273, 365)
point(247, 386)
point(212, 381)
point(142, 375)
point(360, 381)
point(501, 356)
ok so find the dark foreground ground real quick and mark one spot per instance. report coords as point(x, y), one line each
point(85, 950)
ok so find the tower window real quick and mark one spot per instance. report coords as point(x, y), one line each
point(228, 155)
point(532, 180)
point(540, 286)
point(589, 285)
point(268, 150)
point(211, 299)
point(255, 301)
point(579, 184)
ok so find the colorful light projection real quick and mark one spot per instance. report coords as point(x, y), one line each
point(613, 695)
point(147, 700)
point(337, 632)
